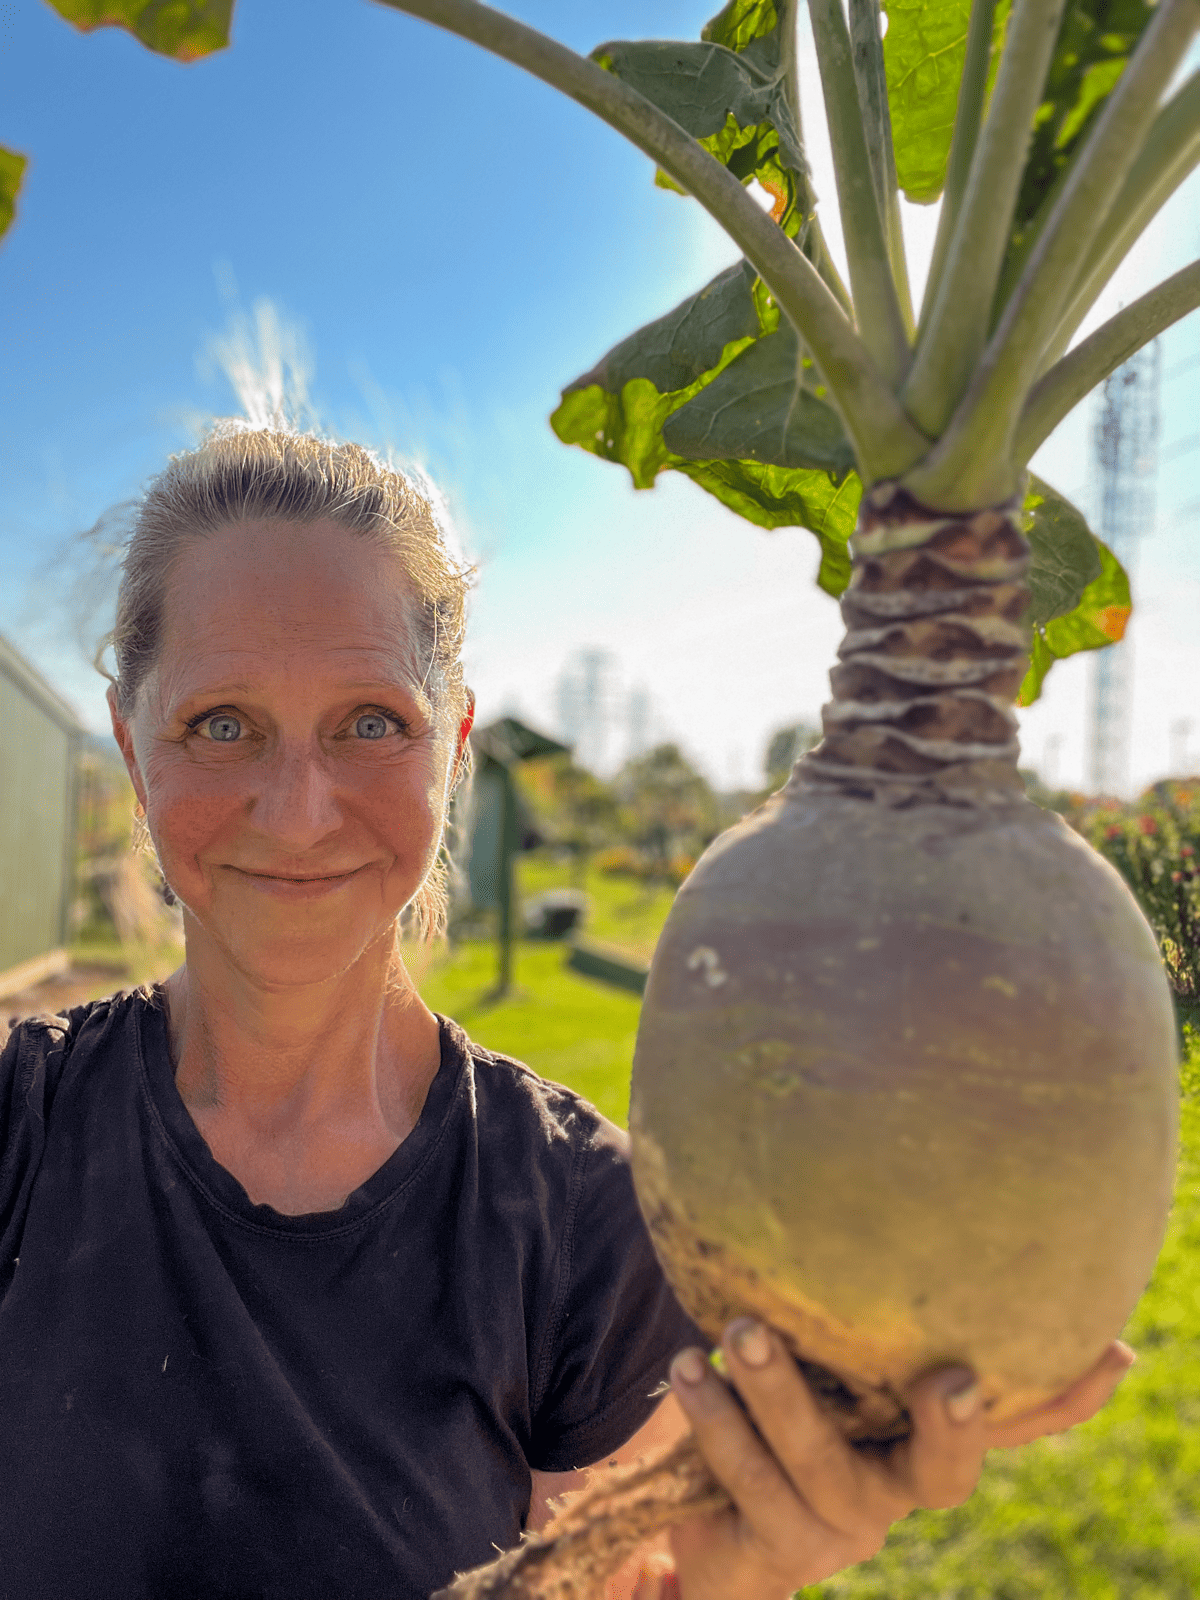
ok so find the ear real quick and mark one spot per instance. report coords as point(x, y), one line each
point(123, 734)
point(464, 728)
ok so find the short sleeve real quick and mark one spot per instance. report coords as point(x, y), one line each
point(29, 1053)
point(616, 1324)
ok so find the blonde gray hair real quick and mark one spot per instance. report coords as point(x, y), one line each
point(240, 474)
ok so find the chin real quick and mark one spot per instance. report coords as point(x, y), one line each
point(295, 957)
point(300, 965)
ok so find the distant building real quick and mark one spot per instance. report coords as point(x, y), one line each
point(40, 738)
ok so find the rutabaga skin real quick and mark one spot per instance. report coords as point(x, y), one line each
point(905, 1087)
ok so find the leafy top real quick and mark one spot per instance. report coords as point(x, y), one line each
point(740, 23)
point(183, 29)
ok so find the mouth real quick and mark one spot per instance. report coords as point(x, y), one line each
point(300, 884)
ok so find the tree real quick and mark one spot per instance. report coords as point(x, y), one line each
point(670, 808)
point(580, 810)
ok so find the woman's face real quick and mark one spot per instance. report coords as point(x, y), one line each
point(294, 774)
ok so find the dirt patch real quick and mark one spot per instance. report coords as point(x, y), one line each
point(75, 987)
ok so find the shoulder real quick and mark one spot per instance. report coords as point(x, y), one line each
point(607, 1323)
point(544, 1151)
point(36, 1055)
point(510, 1100)
point(35, 1050)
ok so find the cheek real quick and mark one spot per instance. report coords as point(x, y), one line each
point(410, 816)
point(184, 818)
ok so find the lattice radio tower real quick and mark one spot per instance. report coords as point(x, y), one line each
point(1125, 451)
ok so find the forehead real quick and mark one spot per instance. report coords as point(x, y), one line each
point(273, 596)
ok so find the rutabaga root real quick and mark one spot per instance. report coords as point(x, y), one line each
point(595, 1535)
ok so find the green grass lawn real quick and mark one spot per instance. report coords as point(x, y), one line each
point(569, 1028)
point(622, 911)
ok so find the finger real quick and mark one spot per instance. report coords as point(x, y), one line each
point(738, 1459)
point(1076, 1404)
point(939, 1464)
point(804, 1439)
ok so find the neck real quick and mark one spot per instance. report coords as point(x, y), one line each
point(280, 1059)
point(935, 651)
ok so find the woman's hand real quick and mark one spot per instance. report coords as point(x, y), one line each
point(806, 1504)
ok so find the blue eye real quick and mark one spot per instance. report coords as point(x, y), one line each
point(224, 728)
point(371, 726)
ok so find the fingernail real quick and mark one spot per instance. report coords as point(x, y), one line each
point(962, 1400)
point(750, 1340)
point(688, 1367)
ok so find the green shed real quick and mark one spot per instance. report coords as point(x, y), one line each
point(40, 736)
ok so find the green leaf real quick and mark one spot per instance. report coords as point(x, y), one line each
point(626, 409)
point(1099, 619)
point(729, 93)
point(1095, 41)
point(703, 86)
point(741, 23)
point(678, 349)
point(12, 169)
point(788, 497)
point(1065, 554)
point(923, 54)
point(184, 29)
point(766, 406)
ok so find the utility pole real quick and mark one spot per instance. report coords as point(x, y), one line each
point(1125, 451)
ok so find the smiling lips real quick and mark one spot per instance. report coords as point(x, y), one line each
point(297, 888)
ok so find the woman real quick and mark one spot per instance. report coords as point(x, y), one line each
point(301, 1293)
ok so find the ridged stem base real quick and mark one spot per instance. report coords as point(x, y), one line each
point(933, 657)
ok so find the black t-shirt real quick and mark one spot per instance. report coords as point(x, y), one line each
point(200, 1396)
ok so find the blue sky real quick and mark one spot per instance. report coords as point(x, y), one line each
point(449, 242)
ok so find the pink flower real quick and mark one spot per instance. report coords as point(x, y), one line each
point(1112, 831)
point(1147, 825)
point(1187, 850)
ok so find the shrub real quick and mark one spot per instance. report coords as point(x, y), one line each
point(1155, 846)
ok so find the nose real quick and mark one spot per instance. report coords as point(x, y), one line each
point(297, 805)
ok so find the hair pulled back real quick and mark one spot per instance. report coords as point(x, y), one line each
point(241, 474)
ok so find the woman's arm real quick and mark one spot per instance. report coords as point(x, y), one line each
point(668, 1424)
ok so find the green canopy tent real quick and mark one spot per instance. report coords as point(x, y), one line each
point(499, 821)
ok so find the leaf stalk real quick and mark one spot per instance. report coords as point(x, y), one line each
point(871, 77)
point(1171, 152)
point(1101, 353)
point(954, 337)
point(818, 250)
point(974, 453)
point(972, 93)
point(876, 303)
point(884, 439)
